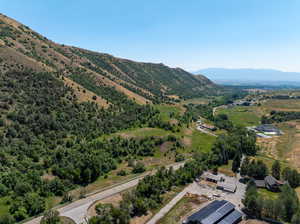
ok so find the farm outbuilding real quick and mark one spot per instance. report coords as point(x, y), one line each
point(217, 212)
point(227, 186)
point(270, 182)
point(211, 177)
point(268, 129)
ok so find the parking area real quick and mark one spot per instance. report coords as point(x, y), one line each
point(210, 189)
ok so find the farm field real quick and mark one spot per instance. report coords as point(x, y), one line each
point(282, 104)
point(241, 115)
point(285, 148)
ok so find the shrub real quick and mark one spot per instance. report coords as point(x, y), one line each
point(122, 173)
point(139, 168)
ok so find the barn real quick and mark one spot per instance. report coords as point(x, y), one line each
point(217, 212)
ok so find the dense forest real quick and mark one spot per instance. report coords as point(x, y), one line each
point(45, 130)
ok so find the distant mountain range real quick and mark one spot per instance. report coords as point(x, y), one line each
point(250, 76)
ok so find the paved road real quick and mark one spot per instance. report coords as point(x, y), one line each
point(77, 210)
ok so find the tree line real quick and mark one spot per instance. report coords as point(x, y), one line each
point(285, 207)
point(280, 116)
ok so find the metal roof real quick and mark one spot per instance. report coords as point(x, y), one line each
point(206, 211)
point(267, 128)
point(227, 186)
point(211, 176)
point(270, 180)
point(260, 183)
point(219, 214)
point(232, 218)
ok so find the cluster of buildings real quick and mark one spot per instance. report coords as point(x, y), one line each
point(220, 211)
point(217, 212)
point(227, 185)
point(266, 130)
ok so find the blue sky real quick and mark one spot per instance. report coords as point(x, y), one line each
point(191, 34)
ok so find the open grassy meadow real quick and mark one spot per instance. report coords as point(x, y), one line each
point(241, 115)
point(282, 104)
point(169, 112)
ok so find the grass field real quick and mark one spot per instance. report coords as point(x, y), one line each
point(196, 101)
point(202, 142)
point(180, 210)
point(244, 116)
point(268, 194)
point(283, 105)
point(285, 148)
point(167, 110)
point(287, 140)
point(227, 169)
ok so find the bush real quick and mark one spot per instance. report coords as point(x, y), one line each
point(122, 173)
point(3, 191)
point(7, 219)
point(50, 217)
point(138, 168)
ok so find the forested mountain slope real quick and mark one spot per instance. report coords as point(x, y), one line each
point(55, 103)
point(22, 48)
point(44, 130)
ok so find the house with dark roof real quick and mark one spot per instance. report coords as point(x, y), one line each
point(217, 212)
point(270, 183)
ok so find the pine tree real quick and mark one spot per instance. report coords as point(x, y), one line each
point(276, 170)
point(236, 163)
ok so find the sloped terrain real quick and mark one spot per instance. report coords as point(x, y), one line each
point(21, 48)
point(55, 103)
